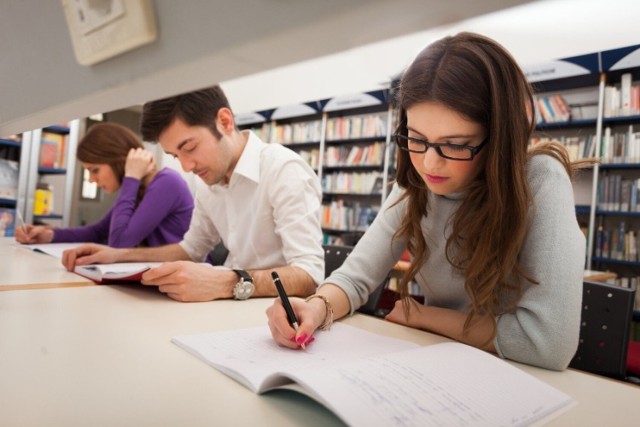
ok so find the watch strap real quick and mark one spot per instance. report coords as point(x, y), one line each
point(243, 275)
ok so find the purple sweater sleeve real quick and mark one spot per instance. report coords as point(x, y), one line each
point(96, 233)
point(131, 225)
point(162, 215)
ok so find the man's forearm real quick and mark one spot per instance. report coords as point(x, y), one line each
point(172, 252)
point(295, 280)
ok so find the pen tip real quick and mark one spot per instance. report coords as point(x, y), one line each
point(274, 275)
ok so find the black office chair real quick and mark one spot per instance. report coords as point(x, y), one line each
point(218, 255)
point(604, 329)
point(334, 256)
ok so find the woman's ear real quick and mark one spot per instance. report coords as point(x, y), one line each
point(225, 121)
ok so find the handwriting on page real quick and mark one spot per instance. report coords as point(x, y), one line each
point(443, 385)
point(254, 353)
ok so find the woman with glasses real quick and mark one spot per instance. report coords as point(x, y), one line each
point(490, 225)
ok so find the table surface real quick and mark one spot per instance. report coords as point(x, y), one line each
point(102, 356)
point(22, 268)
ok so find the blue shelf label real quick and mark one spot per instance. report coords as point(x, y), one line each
point(621, 59)
point(249, 118)
point(356, 100)
point(554, 70)
point(293, 110)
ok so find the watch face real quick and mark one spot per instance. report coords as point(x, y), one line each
point(243, 290)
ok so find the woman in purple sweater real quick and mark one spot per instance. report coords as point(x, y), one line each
point(153, 208)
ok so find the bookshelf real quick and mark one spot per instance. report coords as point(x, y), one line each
point(11, 152)
point(45, 156)
point(346, 140)
point(299, 128)
point(356, 163)
point(602, 92)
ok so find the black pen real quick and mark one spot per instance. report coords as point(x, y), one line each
point(291, 316)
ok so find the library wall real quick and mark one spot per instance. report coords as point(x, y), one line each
point(200, 43)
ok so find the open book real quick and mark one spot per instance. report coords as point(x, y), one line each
point(99, 273)
point(113, 273)
point(368, 379)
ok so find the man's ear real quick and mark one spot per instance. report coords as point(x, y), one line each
point(225, 121)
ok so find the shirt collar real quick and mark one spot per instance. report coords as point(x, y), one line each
point(248, 164)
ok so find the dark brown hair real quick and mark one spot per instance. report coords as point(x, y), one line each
point(476, 77)
point(197, 108)
point(109, 143)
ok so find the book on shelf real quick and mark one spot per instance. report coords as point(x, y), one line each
point(624, 100)
point(8, 179)
point(369, 379)
point(7, 222)
point(552, 109)
point(60, 141)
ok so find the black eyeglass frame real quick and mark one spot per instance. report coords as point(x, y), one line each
point(472, 150)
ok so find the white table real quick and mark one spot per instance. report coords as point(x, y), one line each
point(102, 356)
point(22, 268)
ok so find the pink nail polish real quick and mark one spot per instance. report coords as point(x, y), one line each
point(302, 339)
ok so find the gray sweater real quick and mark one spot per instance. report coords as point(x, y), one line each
point(543, 328)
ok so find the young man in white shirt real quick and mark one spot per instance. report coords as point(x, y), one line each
point(261, 200)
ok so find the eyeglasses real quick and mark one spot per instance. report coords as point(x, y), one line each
point(446, 150)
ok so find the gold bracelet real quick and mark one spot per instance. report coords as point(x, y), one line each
point(328, 318)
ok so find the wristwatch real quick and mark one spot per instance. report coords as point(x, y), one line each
point(245, 287)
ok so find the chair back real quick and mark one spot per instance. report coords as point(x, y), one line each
point(334, 256)
point(607, 311)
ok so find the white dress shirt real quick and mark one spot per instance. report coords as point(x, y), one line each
point(267, 216)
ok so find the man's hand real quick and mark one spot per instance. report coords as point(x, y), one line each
point(188, 281)
point(89, 254)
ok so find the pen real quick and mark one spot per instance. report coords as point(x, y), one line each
point(291, 316)
point(22, 225)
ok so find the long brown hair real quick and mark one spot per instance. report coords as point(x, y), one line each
point(109, 143)
point(476, 77)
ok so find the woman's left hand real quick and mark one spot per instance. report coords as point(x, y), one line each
point(139, 163)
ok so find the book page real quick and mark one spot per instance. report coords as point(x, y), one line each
point(121, 270)
point(368, 379)
point(54, 249)
point(251, 357)
point(442, 384)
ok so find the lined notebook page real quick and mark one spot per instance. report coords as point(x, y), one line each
point(251, 356)
point(370, 380)
point(448, 384)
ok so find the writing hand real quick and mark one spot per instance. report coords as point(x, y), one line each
point(139, 163)
point(308, 314)
point(89, 254)
point(188, 281)
point(28, 234)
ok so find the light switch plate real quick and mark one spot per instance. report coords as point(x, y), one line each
point(101, 29)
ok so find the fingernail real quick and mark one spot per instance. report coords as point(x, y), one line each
point(293, 338)
point(302, 339)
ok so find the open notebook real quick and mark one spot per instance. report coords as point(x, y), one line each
point(368, 379)
point(99, 273)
